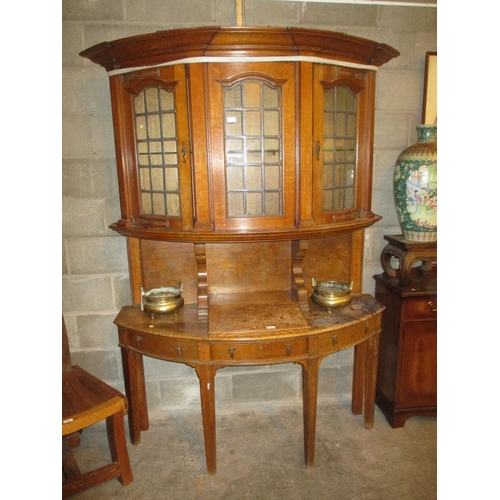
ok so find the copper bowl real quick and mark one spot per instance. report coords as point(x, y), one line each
point(162, 300)
point(331, 294)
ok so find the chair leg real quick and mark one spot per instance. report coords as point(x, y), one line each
point(74, 439)
point(115, 427)
point(69, 466)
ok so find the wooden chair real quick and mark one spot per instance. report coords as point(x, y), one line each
point(87, 400)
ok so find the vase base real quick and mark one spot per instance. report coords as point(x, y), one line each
point(420, 236)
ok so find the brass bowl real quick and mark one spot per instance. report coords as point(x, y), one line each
point(162, 300)
point(331, 294)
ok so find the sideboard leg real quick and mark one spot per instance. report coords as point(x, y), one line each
point(206, 374)
point(135, 389)
point(310, 399)
point(371, 364)
point(358, 378)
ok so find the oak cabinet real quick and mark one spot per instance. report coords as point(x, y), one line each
point(247, 149)
point(244, 159)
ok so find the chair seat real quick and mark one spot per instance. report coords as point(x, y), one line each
point(87, 400)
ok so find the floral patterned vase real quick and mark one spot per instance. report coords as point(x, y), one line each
point(415, 187)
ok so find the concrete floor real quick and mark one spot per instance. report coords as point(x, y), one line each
point(260, 456)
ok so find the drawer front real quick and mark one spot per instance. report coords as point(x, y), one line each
point(337, 340)
point(420, 308)
point(162, 347)
point(239, 352)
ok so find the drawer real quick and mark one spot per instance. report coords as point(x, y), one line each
point(415, 308)
point(172, 349)
point(240, 352)
point(337, 340)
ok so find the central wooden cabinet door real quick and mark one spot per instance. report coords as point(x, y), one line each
point(253, 144)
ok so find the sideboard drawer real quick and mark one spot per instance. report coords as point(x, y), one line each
point(162, 347)
point(420, 308)
point(336, 340)
point(340, 339)
point(264, 351)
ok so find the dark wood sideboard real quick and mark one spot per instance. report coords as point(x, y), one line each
point(407, 368)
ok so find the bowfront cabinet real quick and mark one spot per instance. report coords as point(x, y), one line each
point(244, 159)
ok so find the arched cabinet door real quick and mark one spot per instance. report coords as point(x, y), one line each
point(253, 145)
point(342, 143)
point(153, 148)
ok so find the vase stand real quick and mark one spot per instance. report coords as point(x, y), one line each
point(408, 252)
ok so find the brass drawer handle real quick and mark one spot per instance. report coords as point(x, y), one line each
point(179, 350)
point(139, 340)
point(232, 350)
point(288, 348)
point(431, 306)
point(335, 340)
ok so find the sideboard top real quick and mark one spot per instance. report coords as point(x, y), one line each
point(170, 46)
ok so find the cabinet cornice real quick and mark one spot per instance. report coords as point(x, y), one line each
point(166, 47)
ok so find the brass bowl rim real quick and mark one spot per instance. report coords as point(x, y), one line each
point(168, 293)
point(332, 288)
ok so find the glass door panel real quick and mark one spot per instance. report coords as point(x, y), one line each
point(339, 148)
point(156, 141)
point(253, 149)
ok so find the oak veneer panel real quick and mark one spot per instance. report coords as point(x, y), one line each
point(328, 259)
point(166, 263)
point(248, 267)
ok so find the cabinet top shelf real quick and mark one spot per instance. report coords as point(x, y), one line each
point(168, 47)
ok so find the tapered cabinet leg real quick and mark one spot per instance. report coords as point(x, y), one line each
point(358, 378)
point(365, 379)
point(206, 374)
point(135, 389)
point(310, 399)
point(371, 364)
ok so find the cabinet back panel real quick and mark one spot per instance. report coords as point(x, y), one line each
point(165, 263)
point(248, 267)
point(328, 259)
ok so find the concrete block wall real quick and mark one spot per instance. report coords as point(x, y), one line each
point(95, 277)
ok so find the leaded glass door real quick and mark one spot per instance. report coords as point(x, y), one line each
point(159, 113)
point(254, 174)
point(340, 143)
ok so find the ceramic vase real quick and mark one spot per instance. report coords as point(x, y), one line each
point(415, 187)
